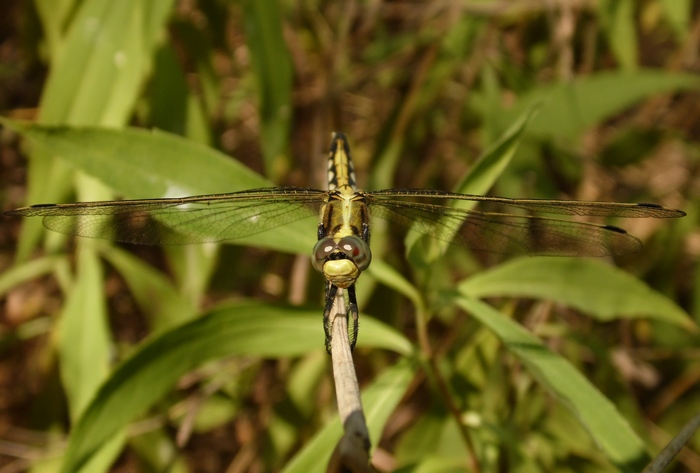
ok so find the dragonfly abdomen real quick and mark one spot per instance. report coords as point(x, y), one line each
point(341, 172)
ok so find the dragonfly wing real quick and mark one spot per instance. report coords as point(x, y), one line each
point(561, 207)
point(196, 219)
point(507, 233)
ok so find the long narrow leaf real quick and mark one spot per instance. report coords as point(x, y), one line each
point(570, 108)
point(84, 335)
point(150, 164)
point(601, 290)
point(604, 422)
point(273, 70)
point(479, 180)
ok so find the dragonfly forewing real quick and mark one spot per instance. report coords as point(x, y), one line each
point(507, 233)
point(198, 219)
point(560, 207)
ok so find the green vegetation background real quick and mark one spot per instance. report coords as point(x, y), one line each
point(210, 358)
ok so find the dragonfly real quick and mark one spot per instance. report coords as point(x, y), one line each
point(342, 251)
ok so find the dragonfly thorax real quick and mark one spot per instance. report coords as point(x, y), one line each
point(341, 261)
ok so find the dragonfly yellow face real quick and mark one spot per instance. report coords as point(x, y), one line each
point(342, 251)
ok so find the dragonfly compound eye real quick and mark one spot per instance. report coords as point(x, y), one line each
point(357, 249)
point(322, 250)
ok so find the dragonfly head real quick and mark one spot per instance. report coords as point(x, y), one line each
point(342, 261)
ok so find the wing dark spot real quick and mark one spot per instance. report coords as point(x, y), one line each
point(665, 213)
point(616, 229)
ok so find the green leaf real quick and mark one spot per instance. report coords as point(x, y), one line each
point(438, 464)
point(605, 424)
point(106, 455)
point(27, 271)
point(492, 108)
point(426, 437)
point(618, 22)
point(100, 462)
point(495, 159)
point(157, 451)
point(150, 164)
point(379, 401)
point(273, 70)
point(192, 267)
point(303, 380)
point(376, 334)
point(97, 72)
point(53, 15)
point(390, 277)
point(84, 341)
point(571, 108)
point(678, 13)
point(154, 293)
point(168, 93)
point(599, 289)
point(245, 330)
point(480, 179)
point(140, 163)
point(104, 58)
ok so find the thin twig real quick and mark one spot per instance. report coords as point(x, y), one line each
point(670, 451)
point(351, 454)
point(435, 375)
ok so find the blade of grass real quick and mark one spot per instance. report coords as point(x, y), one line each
point(96, 75)
point(478, 181)
point(84, 335)
point(140, 164)
point(601, 418)
point(155, 294)
point(618, 23)
point(569, 109)
point(572, 281)
point(273, 70)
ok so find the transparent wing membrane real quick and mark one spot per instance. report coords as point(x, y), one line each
point(197, 219)
point(342, 251)
point(507, 233)
point(222, 217)
point(561, 207)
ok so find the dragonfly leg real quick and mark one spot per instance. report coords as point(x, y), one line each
point(365, 232)
point(331, 291)
point(321, 232)
point(354, 312)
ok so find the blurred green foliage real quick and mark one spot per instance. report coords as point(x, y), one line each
point(210, 358)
